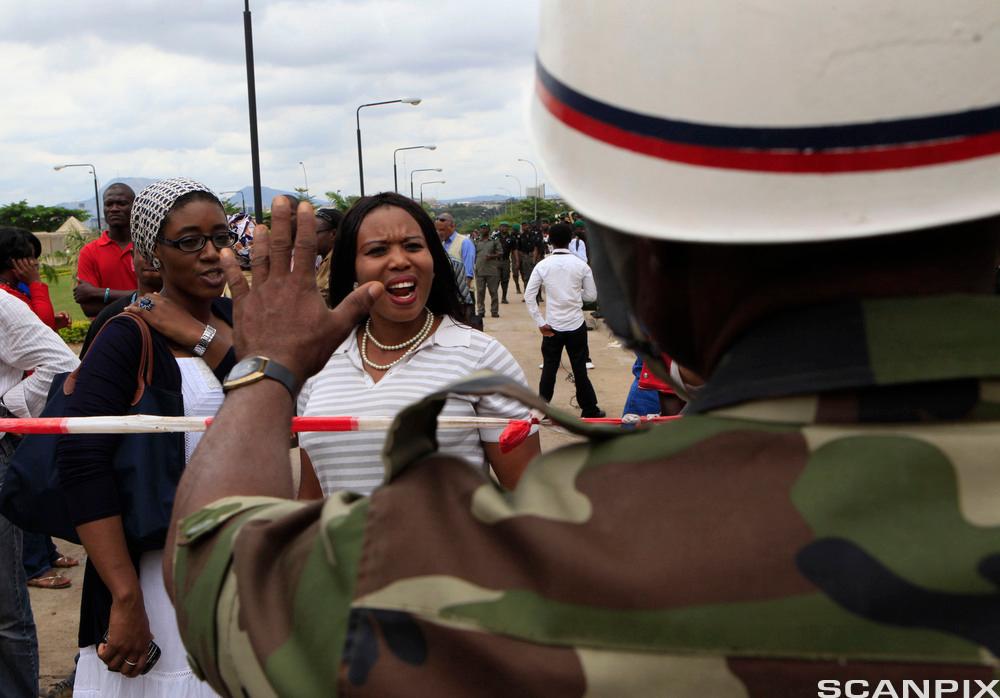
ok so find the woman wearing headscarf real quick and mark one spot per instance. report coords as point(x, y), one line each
point(180, 227)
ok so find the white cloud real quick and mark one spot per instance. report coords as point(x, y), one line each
point(153, 88)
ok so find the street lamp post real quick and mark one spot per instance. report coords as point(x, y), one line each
point(425, 169)
point(243, 199)
point(305, 177)
point(506, 204)
point(436, 181)
point(357, 117)
point(520, 189)
point(97, 195)
point(535, 217)
point(395, 178)
point(258, 205)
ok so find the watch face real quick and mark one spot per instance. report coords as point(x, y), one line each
point(245, 367)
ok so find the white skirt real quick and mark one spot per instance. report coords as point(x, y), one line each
point(171, 677)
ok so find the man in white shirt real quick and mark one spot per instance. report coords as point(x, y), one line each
point(568, 283)
point(26, 344)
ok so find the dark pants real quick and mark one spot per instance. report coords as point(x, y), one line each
point(575, 343)
point(515, 271)
point(18, 641)
point(504, 277)
point(39, 553)
point(483, 283)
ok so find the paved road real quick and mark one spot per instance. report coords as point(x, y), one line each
point(56, 611)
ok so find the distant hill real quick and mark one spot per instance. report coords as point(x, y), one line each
point(266, 194)
point(140, 183)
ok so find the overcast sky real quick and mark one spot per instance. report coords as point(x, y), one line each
point(155, 88)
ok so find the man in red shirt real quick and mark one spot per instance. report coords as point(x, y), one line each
point(104, 270)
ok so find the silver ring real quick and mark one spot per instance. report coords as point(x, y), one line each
point(131, 663)
point(146, 304)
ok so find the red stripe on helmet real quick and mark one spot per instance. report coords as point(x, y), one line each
point(866, 159)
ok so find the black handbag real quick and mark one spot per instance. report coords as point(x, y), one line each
point(147, 466)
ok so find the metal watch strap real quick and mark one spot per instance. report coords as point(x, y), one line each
point(206, 338)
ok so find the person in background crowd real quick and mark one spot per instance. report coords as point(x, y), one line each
point(457, 245)
point(641, 402)
point(411, 344)
point(31, 355)
point(243, 224)
point(578, 245)
point(149, 280)
point(19, 275)
point(179, 226)
point(104, 270)
point(327, 221)
point(568, 283)
point(525, 253)
point(461, 248)
point(507, 249)
point(489, 253)
point(19, 259)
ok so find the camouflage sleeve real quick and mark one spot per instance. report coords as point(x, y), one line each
point(253, 553)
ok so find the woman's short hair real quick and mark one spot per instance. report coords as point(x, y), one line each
point(14, 244)
point(443, 298)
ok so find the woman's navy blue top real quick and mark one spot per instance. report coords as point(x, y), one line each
point(106, 385)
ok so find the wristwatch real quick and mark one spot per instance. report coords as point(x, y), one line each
point(254, 368)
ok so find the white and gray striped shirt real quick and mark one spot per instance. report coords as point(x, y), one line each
point(352, 460)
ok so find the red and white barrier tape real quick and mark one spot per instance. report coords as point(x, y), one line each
point(148, 424)
point(515, 430)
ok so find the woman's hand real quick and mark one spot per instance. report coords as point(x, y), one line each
point(26, 270)
point(168, 318)
point(128, 636)
point(63, 320)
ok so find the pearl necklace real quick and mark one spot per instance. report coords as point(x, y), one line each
point(412, 343)
point(402, 345)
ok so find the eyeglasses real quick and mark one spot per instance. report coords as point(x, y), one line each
point(194, 243)
point(443, 220)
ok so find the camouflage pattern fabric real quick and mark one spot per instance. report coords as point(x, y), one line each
point(750, 549)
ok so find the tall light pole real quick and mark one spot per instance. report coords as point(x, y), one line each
point(506, 204)
point(97, 195)
point(425, 169)
point(243, 199)
point(258, 202)
point(436, 181)
point(357, 117)
point(519, 188)
point(305, 177)
point(535, 217)
point(395, 178)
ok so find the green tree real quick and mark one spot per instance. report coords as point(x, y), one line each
point(47, 218)
point(230, 208)
point(304, 195)
point(339, 201)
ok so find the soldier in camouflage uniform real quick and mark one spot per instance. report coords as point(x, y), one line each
point(828, 511)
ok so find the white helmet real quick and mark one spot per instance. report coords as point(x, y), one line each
point(772, 120)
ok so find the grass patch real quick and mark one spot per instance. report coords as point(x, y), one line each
point(61, 293)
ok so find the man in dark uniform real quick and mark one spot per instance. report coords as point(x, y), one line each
point(507, 250)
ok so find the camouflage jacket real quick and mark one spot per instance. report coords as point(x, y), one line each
point(831, 511)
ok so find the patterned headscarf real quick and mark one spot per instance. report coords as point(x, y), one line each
point(151, 207)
